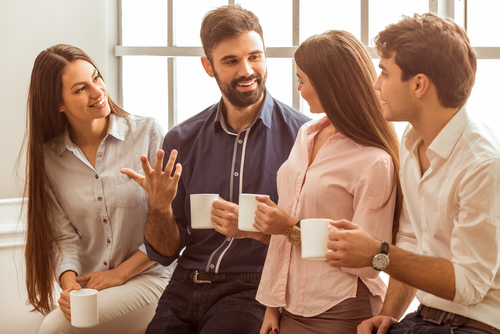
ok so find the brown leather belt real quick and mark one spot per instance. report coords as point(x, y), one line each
point(441, 317)
point(200, 276)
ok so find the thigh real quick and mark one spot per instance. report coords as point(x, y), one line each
point(122, 309)
point(235, 309)
point(342, 318)
point(174, 313)
point(416, 325)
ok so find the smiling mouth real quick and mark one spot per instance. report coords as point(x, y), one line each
point(246, 84)
point(97, 104)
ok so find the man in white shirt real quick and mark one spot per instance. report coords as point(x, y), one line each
point(448, 245)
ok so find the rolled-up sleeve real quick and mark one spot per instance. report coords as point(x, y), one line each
point(374, 188)
point(476, 233)
point(406, 238)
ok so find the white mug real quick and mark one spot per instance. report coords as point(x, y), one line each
point(201, 210)
point(314, 237)
point(83, 304)
point(246, 216)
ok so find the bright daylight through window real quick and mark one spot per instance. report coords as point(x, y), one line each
point(160, 48)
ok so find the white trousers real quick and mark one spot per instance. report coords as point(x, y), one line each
point(125, 309)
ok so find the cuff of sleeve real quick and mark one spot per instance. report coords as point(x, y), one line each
point(468, 290)
point(142, 248)
point(164, 260)
point(66, 265)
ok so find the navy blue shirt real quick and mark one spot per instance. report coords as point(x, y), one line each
point(216, 159)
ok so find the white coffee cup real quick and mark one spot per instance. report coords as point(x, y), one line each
point(314, 237)
point(201, 210)
point(246, 216)
point(84, 312)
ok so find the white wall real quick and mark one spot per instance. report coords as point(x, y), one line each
point(26, 28)
point(30, 26)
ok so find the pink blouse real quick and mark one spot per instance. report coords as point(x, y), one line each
point(345, 181)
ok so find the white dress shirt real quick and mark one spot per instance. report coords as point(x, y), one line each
point(98, 213)
point(454, 210)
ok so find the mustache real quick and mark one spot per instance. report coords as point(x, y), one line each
point(255, 76)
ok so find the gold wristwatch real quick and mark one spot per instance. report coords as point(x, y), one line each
point(293, 234)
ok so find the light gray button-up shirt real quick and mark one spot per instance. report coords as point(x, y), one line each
point(98, 213)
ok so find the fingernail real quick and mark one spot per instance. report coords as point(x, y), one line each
point(275, 331)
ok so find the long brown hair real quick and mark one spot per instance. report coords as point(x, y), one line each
point(342, 73)
point(44, 122)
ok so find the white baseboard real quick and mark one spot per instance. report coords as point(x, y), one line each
point(12, 225)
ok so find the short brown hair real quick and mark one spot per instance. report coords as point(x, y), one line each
point(226, 22)
point(436, 47)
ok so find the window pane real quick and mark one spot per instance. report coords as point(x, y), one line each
point(195, 89)
point(188, 17)
point(482, 22)
point(384, 12)
point(483, 104)
point(145, 87)
point(318, 16)
point(279, 79)
point(275, 18)
point(144, 23)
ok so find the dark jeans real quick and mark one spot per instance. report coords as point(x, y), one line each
point(208, 308)
point(417, 325)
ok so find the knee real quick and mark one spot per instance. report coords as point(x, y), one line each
point(55, 323)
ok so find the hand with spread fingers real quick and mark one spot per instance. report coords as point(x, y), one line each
point(271, 219)
point(159, 185)
point(351, 246)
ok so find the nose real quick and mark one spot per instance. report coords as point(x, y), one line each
point(97, 89)
point(245, 69)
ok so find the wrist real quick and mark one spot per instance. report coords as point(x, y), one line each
point(291, 222)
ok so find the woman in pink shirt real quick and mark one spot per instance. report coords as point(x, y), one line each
point(342, 166)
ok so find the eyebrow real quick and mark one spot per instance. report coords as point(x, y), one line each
point(83, 82)
point(234, 56)
point(382, 67)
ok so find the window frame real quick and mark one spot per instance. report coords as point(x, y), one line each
point(444, 8)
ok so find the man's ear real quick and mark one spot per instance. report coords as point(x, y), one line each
point(421, 84)
point(207, 66)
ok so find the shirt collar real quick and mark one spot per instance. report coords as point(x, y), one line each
point(117, 128)
point(446, 139)
point(265, 113)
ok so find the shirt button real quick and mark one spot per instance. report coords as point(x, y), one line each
point(236, 173)
point(99, 154)
point(96, 176)
point(99, 199)
point(109, 241)
point(287, 260)
point(105, 263)
point(212, 266)
point(105, 221)
point(228, 238)
point(240, 141)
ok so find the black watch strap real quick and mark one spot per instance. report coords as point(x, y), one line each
point(384, 249)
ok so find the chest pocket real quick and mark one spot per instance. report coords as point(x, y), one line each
point(129, 194)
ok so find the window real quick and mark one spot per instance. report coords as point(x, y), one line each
point(160, 48)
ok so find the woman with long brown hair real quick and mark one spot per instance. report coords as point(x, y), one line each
point(85, 220)
point(342, 166)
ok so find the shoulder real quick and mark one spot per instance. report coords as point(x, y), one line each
point(136, 122)
point(482, 142)
point(193, 126)
point(290, 115)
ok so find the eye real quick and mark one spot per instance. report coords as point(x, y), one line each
point(80, 90)
point(299, 81)
point(97, 77)
point(230, 61)
point(255, 57)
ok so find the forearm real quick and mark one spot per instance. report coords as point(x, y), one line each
point(68, 279)
point(399, 296)
point(161, 231)
point(432, 275)
point(135, 265)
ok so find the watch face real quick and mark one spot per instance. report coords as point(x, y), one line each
point(380, 261)
point(294, 236)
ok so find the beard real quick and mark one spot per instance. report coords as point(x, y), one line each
point(242, 99)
